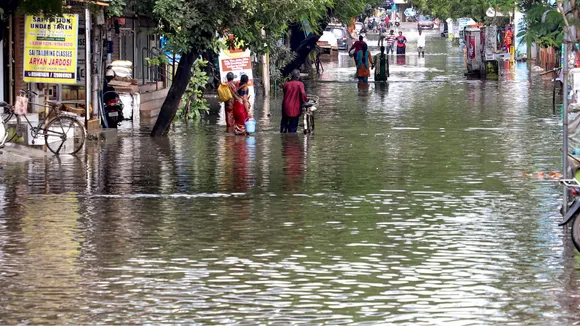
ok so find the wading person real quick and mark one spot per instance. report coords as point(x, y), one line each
point(294, 97)
point(363, 65)
point(391, 38)
point(381, 62)
point(421, 44)
point(242, 106)
point(357, 46)
point(401, 43)
point(229, 105)
point(382, 35)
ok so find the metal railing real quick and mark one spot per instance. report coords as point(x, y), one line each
point(154, 73)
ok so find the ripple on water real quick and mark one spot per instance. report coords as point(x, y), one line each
point(405, 207)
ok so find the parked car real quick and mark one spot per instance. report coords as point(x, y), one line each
point(327, 42)
point(425, 22)
point(343, 38)
point(358, 26)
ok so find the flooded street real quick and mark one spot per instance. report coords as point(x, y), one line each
point(407, 206)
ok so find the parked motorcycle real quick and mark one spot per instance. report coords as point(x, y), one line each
point(113, 109)
point(112, 102)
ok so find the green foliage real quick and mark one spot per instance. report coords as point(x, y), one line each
point(116, 8)
point(279, 57)
point(159, 60)
point(48, 7)
point(543, 25)
point(259, 24)
point(462, 8)
point(193, 104)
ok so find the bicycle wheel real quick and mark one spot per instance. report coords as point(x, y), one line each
point(64, 135)
point(311, 122)
point(576, 232)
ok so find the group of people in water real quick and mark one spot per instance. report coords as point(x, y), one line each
point(380, 62)
point(238, 108)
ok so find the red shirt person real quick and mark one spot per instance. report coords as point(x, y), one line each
point(401, 43)
point(294, 96)
point(357, 46)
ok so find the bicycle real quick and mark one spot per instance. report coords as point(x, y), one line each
point(3, 130)
point(64, 128)
point(308, 109)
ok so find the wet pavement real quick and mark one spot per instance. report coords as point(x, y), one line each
point(407, 206)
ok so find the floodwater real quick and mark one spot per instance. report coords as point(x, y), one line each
point(407, 206)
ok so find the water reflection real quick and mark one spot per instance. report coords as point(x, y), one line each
point(405, 207)
point(401, 60)
point(294, 164)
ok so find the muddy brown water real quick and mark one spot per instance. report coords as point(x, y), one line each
point(407, 206)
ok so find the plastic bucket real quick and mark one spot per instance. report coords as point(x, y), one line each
point(251, 126)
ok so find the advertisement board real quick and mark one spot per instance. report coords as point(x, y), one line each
point(239, 62)
point(50, 49)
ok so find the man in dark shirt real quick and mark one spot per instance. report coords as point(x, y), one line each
point(294, 96)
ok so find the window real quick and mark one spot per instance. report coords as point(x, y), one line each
point(339, 33)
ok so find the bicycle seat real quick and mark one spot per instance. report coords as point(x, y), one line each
point(308, 104)
point(3, 104)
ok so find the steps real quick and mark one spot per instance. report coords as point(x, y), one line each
point(151, 100)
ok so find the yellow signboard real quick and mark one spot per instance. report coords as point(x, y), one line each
point(50, 49)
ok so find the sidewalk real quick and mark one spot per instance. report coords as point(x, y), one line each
point(14, 153)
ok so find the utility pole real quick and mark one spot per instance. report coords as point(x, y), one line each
point(265, 70)
point(88, 65)
point(565, 128)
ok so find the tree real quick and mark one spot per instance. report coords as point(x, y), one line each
point(9, 7)
point(462, 8)
point(193, 26)
point(343, 10)
point(543, 25)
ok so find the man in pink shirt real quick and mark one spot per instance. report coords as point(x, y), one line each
point(294, 96)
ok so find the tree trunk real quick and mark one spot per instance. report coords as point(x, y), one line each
point(171, 103)
point(301, 54)
point(303, 50)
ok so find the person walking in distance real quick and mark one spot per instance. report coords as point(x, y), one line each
point(357, 46)
point(364, 61)
point(421, 44)
point(401, 44)
point(382, 34)
point(391, 42)
point(294, 97)
point(381, 66)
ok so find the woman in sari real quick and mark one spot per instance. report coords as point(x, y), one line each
point(229, 105)
point(381, 62)
point(363, 64)
point(242, 106)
